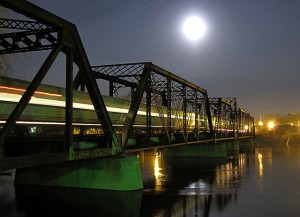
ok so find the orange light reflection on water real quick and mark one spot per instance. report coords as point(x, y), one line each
point(231, 173)
point(157, 170)
point(260, 164)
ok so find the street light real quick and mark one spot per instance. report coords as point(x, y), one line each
point(260, 123)
point(271, 125)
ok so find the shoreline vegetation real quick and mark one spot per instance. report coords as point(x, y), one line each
point(277, 141)
point(284, 135)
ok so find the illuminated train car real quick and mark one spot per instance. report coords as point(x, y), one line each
point(45, 113)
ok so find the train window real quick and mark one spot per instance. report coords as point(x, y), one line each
point(33, 130)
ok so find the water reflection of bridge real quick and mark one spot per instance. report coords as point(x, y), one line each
point(209, 185)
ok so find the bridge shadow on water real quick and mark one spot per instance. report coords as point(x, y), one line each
point(55, 201)
point(173, 186)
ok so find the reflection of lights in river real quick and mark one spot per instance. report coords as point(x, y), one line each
point(157, 174)
point(196, 188)
point(156, 168)
point(260, 164)
point(229, 174)
point(260, 170)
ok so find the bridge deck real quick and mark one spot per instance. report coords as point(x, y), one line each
point(62, 157)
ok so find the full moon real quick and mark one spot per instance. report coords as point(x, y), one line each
point(193, 28)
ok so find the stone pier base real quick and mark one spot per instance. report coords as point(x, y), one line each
point(233, 148)
point(114, 173)
point(199, 150)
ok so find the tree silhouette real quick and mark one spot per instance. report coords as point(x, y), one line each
point(5, 63)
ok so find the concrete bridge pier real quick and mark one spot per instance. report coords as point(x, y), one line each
point(233, 147)
point(199, 150)
point(247, 145)
point(224, 148)
point(111, 173)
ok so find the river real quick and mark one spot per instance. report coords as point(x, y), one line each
point(262, 182)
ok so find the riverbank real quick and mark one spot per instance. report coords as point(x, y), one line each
point(275, 141)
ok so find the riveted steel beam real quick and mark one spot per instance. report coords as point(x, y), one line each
point(177, 78)
point(23, 24)
point(23, 41)
point(209, 119)
point(169, 108)
point(69, 102)
point(135, 103)
point(148, 111)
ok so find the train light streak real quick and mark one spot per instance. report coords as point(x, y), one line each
point(14, 94)
point(36, 92)
point(8, 97)
point(74, 124)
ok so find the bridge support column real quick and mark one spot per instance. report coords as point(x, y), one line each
point(233, 147)
point(114, 173)
point(200, 150)
point(247, 145)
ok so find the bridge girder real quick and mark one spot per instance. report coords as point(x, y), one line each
point(162, 89)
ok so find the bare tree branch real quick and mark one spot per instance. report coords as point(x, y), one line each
point(5, 63)
point(5, 66)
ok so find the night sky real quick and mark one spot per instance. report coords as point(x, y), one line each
point(250, 50)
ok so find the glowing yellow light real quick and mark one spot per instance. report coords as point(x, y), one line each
point(246, 127)
point(260, 123)
point(271, 124)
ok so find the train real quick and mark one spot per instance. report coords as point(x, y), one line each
point(45, 113)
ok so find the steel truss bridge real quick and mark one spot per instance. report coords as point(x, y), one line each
point(184, 112)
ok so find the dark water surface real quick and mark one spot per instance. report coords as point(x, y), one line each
point(263, 183)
